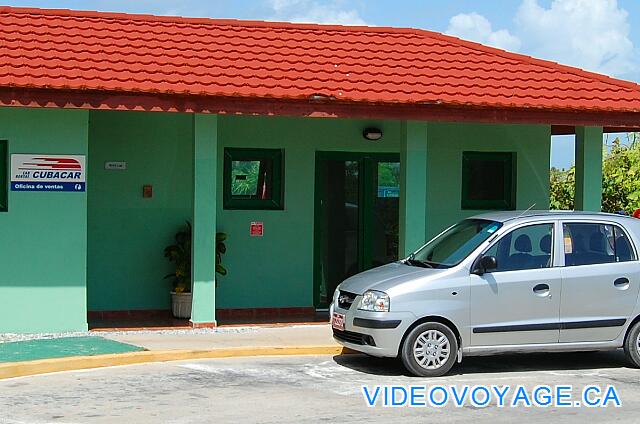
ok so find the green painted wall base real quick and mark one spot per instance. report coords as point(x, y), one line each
point(31, 350)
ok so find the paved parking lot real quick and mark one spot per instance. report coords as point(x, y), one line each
point(303, 389)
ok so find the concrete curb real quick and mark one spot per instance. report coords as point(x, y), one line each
point(45, 366)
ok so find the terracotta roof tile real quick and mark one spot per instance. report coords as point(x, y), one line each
point(146, 54)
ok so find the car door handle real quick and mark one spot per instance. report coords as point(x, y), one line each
point(621, 283)
point(541, 290)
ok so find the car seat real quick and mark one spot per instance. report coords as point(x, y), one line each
point(598, 247)
point(522, 259)
point(545, 246)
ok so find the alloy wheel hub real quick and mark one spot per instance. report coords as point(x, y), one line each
point(431, 349)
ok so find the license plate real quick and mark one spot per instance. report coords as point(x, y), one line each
point(337, 321)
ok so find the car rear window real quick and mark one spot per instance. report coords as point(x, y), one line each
point(594, 243)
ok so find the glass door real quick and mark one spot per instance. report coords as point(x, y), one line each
point(385, 212)
point(356, 221)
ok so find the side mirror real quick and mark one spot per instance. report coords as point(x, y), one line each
point(485, 264)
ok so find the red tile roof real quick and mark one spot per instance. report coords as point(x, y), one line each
point(150, 55)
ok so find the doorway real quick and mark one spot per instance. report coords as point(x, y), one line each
point(357, 203)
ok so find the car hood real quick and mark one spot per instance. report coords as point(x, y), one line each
point(385, 277)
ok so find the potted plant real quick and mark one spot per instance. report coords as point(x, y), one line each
point(180, 254)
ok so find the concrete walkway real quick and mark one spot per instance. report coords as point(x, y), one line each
point(176, 345)
point(238, 337)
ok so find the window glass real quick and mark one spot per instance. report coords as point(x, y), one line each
point(455, 244)
point(3, 176)
point(385, 212)
point(587, 244)
point(244, 177)
point(253, 179)
point(388, 180)
point(527, 247)
point(488, 180)
point(624, 251)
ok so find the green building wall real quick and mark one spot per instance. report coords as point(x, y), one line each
point(276, 270)
point(447, 141)
point(64, 253)
point(126, 232)
point(43, 235)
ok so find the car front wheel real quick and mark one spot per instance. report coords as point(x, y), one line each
point(429, 350)
point(632, 345)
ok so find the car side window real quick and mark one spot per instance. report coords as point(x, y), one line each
point(527, 247)
point(624, 250)
point(592, 243)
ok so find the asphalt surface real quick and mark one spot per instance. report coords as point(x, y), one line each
point(306, 389)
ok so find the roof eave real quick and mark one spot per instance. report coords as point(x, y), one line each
point(162, 102)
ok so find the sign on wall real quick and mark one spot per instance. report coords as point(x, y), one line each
point(115, 165)
point(256, 229)
point(47, 172)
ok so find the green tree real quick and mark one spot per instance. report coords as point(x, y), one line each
point(620, 179)
point(244, 177)
point(562, 189)
point(388, 174)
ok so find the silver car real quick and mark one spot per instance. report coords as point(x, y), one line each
point(500, 282)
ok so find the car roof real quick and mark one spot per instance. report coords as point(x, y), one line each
point(526, 215)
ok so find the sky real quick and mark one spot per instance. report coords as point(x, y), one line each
point(597, 35)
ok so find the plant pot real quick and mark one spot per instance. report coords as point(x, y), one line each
point(181, 305)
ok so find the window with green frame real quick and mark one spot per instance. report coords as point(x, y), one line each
point(4, 171)
point(253, 179)
point(489, 180)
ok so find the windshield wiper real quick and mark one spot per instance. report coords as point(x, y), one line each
point(433, 264)
point(416, 262)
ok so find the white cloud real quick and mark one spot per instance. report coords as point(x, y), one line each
point(590, 34)
point(475, 27)
point(312, 11)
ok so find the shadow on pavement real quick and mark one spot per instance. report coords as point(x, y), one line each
point(371, 365)
point(495, 364)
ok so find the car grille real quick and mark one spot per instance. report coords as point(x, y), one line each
point(345, 299)
point(354, 338)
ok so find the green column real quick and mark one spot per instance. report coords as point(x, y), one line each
point(588, 169)
point(205, 148)
point(413, 186)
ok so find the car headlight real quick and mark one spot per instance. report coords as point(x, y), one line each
point(375, 301)
point(335, 296)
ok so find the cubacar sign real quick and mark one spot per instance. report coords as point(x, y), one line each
point(47, 172)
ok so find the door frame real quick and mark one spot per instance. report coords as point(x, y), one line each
point(586, 328)
point(365, 161)
point(504, 332)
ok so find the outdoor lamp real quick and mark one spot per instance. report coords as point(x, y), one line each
point(372, 134)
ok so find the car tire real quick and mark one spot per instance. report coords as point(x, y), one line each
point(429, 350)
point(632, 345)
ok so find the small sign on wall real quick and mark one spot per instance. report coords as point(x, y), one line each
point(257, 229)
point(114, 165)
point(47, 172)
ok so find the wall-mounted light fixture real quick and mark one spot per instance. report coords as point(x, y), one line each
point(372, 134)
point(318, 97)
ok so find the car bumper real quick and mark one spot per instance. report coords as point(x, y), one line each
point(373, 333)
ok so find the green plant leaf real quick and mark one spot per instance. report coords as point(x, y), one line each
point(221, 269)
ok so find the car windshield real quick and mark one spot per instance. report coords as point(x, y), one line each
point(455, 244)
